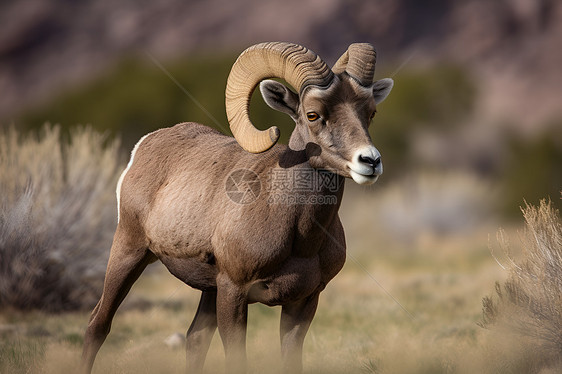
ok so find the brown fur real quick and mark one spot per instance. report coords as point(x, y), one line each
point(174, 208)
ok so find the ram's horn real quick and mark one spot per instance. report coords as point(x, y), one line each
point(295, 64)
point(358, 61)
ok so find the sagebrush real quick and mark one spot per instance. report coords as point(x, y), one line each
point(57, 217)
point(529, 304)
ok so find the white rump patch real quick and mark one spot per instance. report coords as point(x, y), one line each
point(118, 191)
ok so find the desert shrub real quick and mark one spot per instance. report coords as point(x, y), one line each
point(57, 217)
point(529, 303)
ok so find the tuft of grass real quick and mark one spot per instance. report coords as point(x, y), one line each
point(57, 217)
point(21, 356)
point(529, 303)
point(371, 366)
point(74, 338)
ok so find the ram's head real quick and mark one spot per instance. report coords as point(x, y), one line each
point(332, 109)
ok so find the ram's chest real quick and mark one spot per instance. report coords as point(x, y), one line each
point(295, 279)
point(278, 270)
point(262, 250)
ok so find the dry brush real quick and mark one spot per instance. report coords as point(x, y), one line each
point(57, 216)
point(529, 304)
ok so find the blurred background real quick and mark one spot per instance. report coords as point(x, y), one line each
point(471, 130)
point(478, 83)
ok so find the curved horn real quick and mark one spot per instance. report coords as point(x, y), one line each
point(359, 62)
point(299, 66)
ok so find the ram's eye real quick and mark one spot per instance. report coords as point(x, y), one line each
point(312, 116)
point(372, 115)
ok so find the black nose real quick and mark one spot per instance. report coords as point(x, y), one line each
point(369, 160)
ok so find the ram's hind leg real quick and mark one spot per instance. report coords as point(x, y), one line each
point(201, 332)
point(129, 257)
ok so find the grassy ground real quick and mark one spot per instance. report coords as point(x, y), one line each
point(399, 306)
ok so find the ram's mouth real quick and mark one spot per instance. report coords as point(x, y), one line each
point(363, 174)
point(363, 179)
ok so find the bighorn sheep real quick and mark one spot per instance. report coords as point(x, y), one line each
point(174, 204)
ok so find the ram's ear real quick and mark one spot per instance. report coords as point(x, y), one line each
point(280, 98)
point(381, 89)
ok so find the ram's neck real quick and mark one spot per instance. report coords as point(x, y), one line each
point(294, 181)
point(296, 154)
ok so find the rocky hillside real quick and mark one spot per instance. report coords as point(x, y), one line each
point(511, 46)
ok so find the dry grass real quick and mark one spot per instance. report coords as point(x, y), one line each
point(529, 304)
point(57, 217)
point(360, 327)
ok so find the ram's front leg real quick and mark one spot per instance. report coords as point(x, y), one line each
point(295, 321)
point(232, 317)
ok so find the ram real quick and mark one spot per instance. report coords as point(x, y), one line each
point(245, 220)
